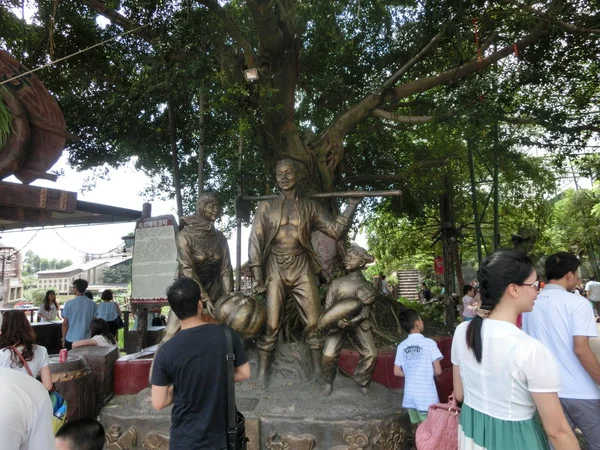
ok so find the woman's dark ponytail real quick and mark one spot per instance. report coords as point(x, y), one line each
point(496, 272)
point(474, 341)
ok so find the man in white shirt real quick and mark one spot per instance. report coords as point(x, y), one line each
point(564, 322)
point(26, 413)
point(592, 292)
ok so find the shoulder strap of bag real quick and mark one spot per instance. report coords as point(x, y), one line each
point(14, 349)
point(231, 415)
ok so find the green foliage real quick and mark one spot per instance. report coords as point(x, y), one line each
point(28, 281)
point(33, 264)
point(431, 313)
point(5, 119)
point(36, 296)
point(328, 57)
point(575, 224)
point(115, 95)
point(118, 274)
point(407, 236)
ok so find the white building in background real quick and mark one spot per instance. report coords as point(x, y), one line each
point(91, 271)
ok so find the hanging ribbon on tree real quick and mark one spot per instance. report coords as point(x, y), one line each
point(516, 50)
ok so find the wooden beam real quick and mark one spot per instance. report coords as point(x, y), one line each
point(37, 198)
point(25, 215)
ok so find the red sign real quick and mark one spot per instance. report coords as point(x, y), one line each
point(438, 265)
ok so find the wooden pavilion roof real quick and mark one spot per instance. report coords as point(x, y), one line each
point(24, 206)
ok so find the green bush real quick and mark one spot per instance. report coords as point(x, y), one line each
point(35, 296)
point(431, 313)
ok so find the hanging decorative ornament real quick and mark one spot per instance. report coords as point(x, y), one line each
point(39, 128)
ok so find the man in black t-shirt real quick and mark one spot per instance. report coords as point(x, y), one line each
point(190, 372)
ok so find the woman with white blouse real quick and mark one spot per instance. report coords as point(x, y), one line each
point(49, 308)
point(17, 338)
point(502, 374)
point(100, 335)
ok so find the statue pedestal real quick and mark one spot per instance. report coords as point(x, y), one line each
point(291, 414)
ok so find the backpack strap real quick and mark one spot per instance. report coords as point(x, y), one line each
point(18, 353)
point(231, 410)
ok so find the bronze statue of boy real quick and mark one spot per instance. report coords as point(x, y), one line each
point(347, 311)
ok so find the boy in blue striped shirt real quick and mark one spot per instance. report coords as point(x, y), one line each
point(418, 361)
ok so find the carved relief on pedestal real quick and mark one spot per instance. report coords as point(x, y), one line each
point(291, 442)
point(116, 440)
point(355, 440)
point(391, 437)
point(155, 442)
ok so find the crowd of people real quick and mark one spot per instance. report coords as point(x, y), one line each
point(524, 372)
point(26, 416)
point(526, 388)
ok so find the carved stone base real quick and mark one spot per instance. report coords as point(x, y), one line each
point(290, 415)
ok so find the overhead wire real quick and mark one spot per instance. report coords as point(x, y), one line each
point(79, 52)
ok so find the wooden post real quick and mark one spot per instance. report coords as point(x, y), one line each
point(142, 329)
point(125, 328)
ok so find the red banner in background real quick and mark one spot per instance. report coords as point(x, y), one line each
point(438, 265)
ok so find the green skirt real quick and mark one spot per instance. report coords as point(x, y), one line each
point(478, 431)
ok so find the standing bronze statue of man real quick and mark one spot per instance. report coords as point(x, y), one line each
point(203, 255)
point(280, 250)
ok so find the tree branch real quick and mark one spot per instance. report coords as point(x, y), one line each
point(233, 30)
point(369, 177)
point(486, 44)
point(285, 15)
point(412, 120)
point(119, 19)
point(387, 84)
point(344, 123)
point(267, 25)
point(549, 126)
point(564, 25)
point(424, 84)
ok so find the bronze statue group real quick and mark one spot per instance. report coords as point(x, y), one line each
point(187, 371)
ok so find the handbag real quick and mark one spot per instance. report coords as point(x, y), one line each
point(120, 323)
point(440, 430)
point(236, 423)
point(59, 404)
